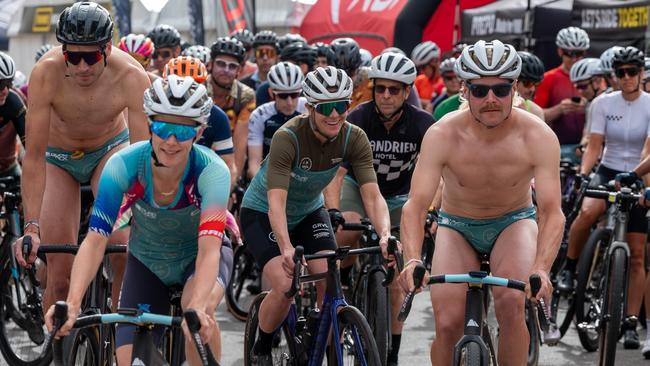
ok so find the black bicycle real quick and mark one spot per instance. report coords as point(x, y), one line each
point(476, 347)
point(603, 271)
point(144, 351)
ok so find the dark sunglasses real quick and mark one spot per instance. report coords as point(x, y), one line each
point(287, 95)
point(449, 77)
point(573, 53)
point(530, 83)
point(231, 67)
point(6, 83)
point(163, 54)
point(90, 58)
point(481, 91)
point(630, 71)
point(326, 108)
point(268, 52)
point(164, 130)
point(392, 90)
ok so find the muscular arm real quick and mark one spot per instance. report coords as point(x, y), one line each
point(332, 192)
point(547, 188)
point(37, 134)
point(254, 159)
point(278, 217)
point(424, 184)
point(229, 159)
point(85, 266)
point(135, 85)
point(376, 208)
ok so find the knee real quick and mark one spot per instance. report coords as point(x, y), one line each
point(509, 304)
point(449, 322)
point(587, 216)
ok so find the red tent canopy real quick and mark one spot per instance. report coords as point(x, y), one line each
point(372, 22)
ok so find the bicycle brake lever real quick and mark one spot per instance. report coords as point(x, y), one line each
point(295, 282)
point(418, 275)
point(27, 247)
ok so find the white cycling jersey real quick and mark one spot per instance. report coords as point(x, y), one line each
point(625, 125)
point(266, 119)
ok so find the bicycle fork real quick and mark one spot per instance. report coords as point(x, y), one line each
point(473, 327)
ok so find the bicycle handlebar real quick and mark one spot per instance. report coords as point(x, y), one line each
point(64, 249)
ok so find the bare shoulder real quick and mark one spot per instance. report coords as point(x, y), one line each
point(127, 69)
point(444, 133)
point(48, 73)
point(539, 137)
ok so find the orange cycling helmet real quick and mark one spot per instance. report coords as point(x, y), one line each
point(186, 66)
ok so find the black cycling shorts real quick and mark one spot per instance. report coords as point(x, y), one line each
point(638, 221)
point(314, 233)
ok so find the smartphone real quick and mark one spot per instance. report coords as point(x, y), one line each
point(575, 100)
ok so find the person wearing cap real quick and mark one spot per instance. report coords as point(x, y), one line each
point(486, 204)
point(556, 94)
point(284, 204)
point(75, 122)
point(388, 120)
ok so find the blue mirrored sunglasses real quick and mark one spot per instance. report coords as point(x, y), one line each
point(165, 129)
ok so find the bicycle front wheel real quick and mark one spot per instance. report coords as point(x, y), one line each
point(22, 329)
point(614, 302)
point(533, 330)
point(284, 348)
point(245, 283)
point(82, 347)
point(355, 340)
point(471, 355)
point(378, 312)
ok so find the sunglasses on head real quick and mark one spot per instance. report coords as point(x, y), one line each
point(530, 83)
point(326, 108)
point(481, 91)
point(164, 130)
point(392, 90)
point(268, 52)
point(293, 95)
point(90, 58)
point(629, 71)
point(6, 83)
point(573, 53)
point(231, 67)
point(163, 54)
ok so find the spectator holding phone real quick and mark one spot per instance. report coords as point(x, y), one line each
point(563, 109)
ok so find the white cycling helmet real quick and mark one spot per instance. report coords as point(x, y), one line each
point(285, 77)
point(585, 69)
point(572, 38)
point(178, 96)
point(425, 52)
point(646, 68)
point(327, 83)
point(393, 66)
point(20, 79)
point(448, 65)
point(200, 52)
point(366, 57)
point(484, 59)
point(607, 58)
point(7, 66)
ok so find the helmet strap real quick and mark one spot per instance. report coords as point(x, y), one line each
point(156, 162)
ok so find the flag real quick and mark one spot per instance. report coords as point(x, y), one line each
point(123, 16)
point(196, 21)
point(239, 14)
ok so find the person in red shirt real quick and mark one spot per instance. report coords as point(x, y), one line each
point(564, 110)
point(429, 85)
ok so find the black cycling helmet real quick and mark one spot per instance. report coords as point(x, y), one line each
point(84, 23)
point(184, 45)
point(628, 56)
point(299, 53)
point(532, 67)
point(289, 38)
point(324, 50)
point(266, 38)
point(228, 46)
point(164, 36)
point(41, 51)
point(346, 51)
point(244, 36)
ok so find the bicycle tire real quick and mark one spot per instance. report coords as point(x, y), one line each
point(81, 347)
point(377, 313)
point(562, 308)
point(587, 293)
point(471, 355)
point(533, 331)
point(17, 345)
point(615, 301)
point(238, 298)
point(350, 317)
point(284, 351)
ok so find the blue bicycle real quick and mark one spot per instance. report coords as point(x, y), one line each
point(340, 330)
